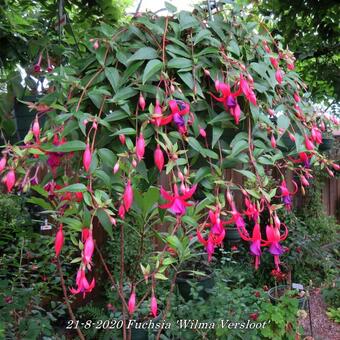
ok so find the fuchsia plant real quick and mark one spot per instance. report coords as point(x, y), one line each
point(185, 106)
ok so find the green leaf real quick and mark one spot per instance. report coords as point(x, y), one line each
point(74, 145)
point(145, 53)
point(107, 157)
point(238, 147)
point(77, 187)
point(113, 76)
point(125, 131)
point(171, 8)
point(41, 202)
point(123, 94)
point(151, 68)
point(233, 47)
point(247, 174)
point(196, 145)
point(187, 20)
point(105, 221)
point(203, 34)
point(217, 133)
point(179, 63)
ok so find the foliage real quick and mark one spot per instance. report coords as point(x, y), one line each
point(311, 30)
point(331, 294)
point(334, 314)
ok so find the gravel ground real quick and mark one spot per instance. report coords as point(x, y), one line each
point(323, 327)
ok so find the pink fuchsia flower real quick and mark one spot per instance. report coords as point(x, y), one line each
point(316, 135)
point(279, 76)
point(273, 141)
point(128, 196)
point(273, 239)
point(290, 66)
point(274, 62)
point(87, 158)
point(9, 180)
point(85, 232)
point(287, 195)
point(3, 163)
point(36, 129)
point(88, 248)
point(157, 118)
point(153, 305)
point(304, 181)
point(296, 97)
point(83, 285)
point(308, 143)
point(116, 168)
point(132, 302)
point(140, 147)
point(159, 158)
point(37, 67)
point(59, 240)
point(141, 102)
point(216, 233)
point(228, 99)
point(251, 211)
point(247, 91)
point(177, 203)
point(203, 133)
point(256, 243)
point(122, 139)
point(121, 211)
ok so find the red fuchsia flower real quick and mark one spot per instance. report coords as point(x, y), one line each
point(87, 158)
point(316, 135)
point(274, 62)
point(273, 141)
point(121, 211)
point(153, 305)
point(9, 180)
point(140, 147)
point(297, 97)
point(132, 302)
point(273, 239)
point(88, 248)
point(254, 316)
point(59, 240)
point(37, 67)
point(159, 158)
point(216, 234)
point(122, 139)
point(141, 102)
point(228, 99)
point(78, 196)
point(287, 195)
point(251, 211)
point(3, 163)
point(157, 118)
point(85, 233)
point(128, 196)
point(177, 203)
point(83, 285)
point(36, 130)
point(279, 76)
point(308, 143)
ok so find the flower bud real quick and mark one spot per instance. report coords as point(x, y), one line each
point(122, 139)
point(203, 133)
point(3, 163)
point(141, 102)
point(87, 158)
point(159, 158)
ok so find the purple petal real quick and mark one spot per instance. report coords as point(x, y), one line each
point(255, 248)
point(178, 119)
point(276, 249)
point(177, 208)
point(231, 102)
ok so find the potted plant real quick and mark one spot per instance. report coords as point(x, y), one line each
point(232, 235)
point(197, 274)
point(276, 293)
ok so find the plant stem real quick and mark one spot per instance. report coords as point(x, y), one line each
point(70, 311)
point(121, 278)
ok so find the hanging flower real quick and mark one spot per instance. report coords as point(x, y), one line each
point(279, 76)
point(87, 158)
point(132, 302)
point(59, 240)
point(36, 129)
point(274, 237)
point(308, 143)
point(140, 147)
point(141, 102)
point(37, 67)
point(83, 285)
point(153, 305)
point(287, 195)
point(9, 180)
point(128, 196)
point(3, 163)
point(177, 203)
point(88, 248)
point(159, 158)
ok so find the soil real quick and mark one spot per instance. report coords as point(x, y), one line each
point(323, 327)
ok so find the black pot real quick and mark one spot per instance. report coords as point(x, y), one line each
point(143, 334)
point(232, 235)
point(205, 283)
point(327, 144)
point(281, 290)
